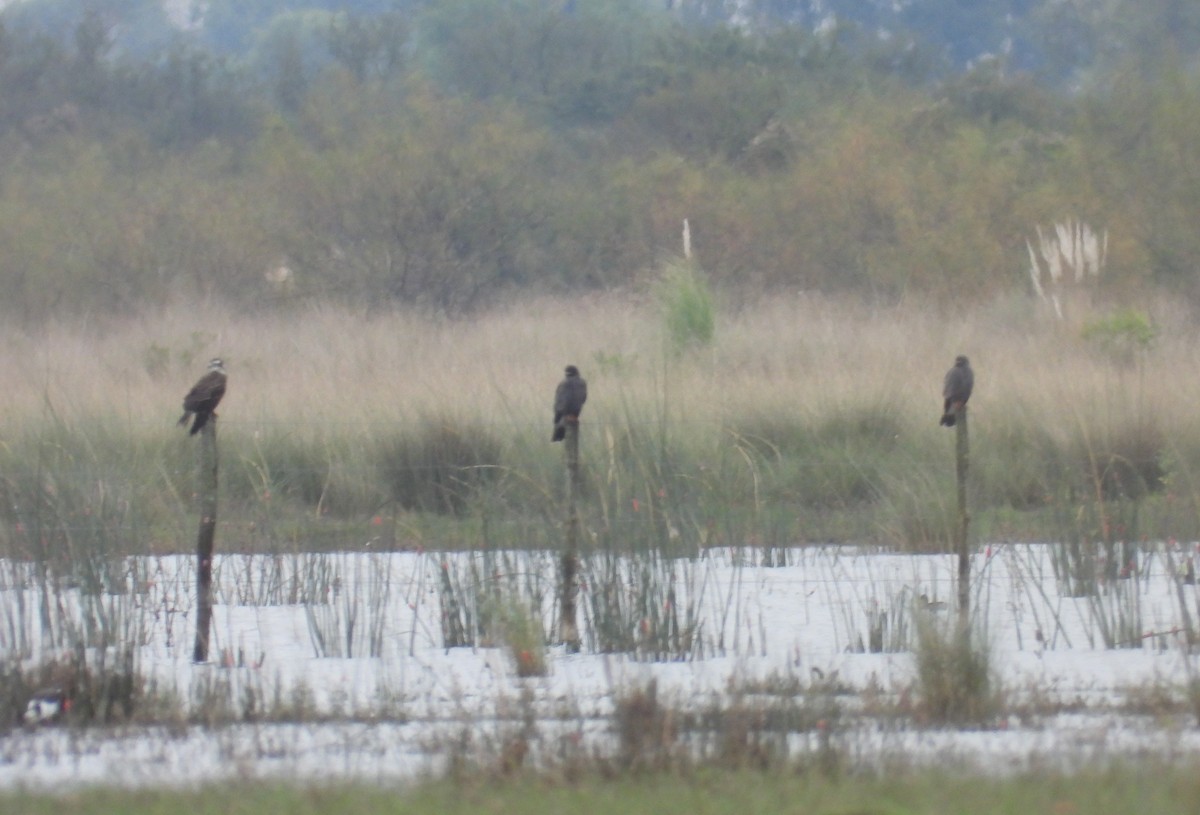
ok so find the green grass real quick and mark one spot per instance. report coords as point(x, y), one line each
point(689, 314)
point(828, 482)
point(870, 475)
point(1116, 790)
point(800, 421)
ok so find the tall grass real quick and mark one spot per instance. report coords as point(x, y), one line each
point(808, 419)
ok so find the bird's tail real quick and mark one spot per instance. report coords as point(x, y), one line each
point(560, 432)
point(948, 420)
point(201, 421)
point(184, 418)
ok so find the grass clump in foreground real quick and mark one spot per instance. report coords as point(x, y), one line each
point(1149, 789)
point(956, 682)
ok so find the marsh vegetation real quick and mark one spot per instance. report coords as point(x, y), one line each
point(804, 418)
point(762, 243)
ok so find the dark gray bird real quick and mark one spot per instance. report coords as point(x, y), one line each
point(568, 401)
point(202, 400)
point(956, 389)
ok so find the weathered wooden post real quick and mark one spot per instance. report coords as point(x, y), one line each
point(956, 390)
point(962, 455)
point(569, 572)
point(206, 490)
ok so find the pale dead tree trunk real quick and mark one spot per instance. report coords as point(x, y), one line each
point(206, 490)
point(569, 573)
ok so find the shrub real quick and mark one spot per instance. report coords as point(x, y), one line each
point(441, 466)
point(1128, 462)
point(689, 314)
point(1124, 336)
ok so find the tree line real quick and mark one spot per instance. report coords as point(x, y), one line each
point(446, 155)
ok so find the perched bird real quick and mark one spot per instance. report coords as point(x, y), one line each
point(202, 400)
point(956, 389)
point(568, 401)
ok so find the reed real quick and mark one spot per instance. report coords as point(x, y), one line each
point(803, 419)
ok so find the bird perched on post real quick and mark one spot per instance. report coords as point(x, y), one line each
point(568, 401)
point(956, 388)
point(202, 400)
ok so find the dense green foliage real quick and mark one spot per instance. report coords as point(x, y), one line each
point(444, 154)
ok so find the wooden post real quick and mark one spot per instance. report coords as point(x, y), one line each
point(569, 572)
point(206, 489)
point(962, 451)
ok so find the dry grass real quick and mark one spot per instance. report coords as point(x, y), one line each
point(806, 356)
point(798, 402)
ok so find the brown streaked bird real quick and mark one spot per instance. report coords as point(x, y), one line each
point(568, 401)
point(202, 400)
point(956, 389)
